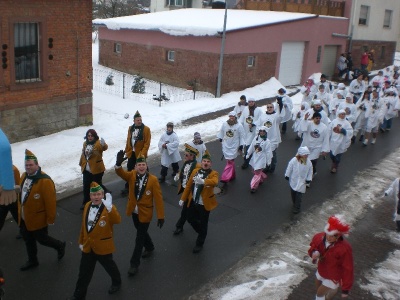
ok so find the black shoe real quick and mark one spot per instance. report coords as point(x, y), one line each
point(124, 192)
point(382, 130)
point(147, 253)
point(132, 271)
point(197, 249)
point(245, 166)
point(161, 179)
point(114, 288)
point(295, 211)
point(178, 230)
point(29, 265)
point(61, 251)
point(253, 191)
point(361, 138)
point(353, 139)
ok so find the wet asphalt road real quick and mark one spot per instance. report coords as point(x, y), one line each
point(240, 222)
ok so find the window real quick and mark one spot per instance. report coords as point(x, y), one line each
point(251, 61)
point(319, 54)
point(26, 52)
point(117, 48)
point(364, 12)
point(171, 55)
point(387, 21)
point(174, 2)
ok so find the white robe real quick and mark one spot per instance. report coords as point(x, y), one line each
point(393, 192)
point(271, 121)
point(171, 154)
point(201, 148)
point(315, 137)
point(286, 113)
point(393, 105)
point(338, 142)
point(324, 116)
point(350, 109)
point(260, 158)
point(298, 174)
point(374, 113)
point(232, 137)
point(249, 123)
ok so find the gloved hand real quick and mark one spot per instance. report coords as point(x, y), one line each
point(176, 177)
point(198, 180)
point(160, 223)
point(120, 158)
point(308, 181)
point(108, 202)
point(81, 247)
point(102, 142)
point(181, 203)
point(286, 177)
point(240, 148)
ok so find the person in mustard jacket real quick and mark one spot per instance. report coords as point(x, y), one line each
point(144, 194)
point(96, 241)
point(200, 199)
point(137, 144)
point(91, 162)
point(37, 210)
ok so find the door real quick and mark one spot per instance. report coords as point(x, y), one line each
point(329, 59)
point(291, 63)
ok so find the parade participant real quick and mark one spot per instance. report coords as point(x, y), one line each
point(96, 241)
point(374, 116)
point(340, 136)
point(350, 108)
point(324, 82)
point(198, 144)
point(238, 109)
point(361, 120)
point(309, 87)
point(169, 149)
point(200, 199)
point(378, 79)
point(336, 101)
point(297, 117)
point(334, 258)
point(231, 136)
point(137, 144)
point(340, 88)
point(394, 192)
point(261, 156)
point(285, 104)
point(37, 210)
point(249, 119)
point(190, 163)
point(144, 194)
point(299, 173)
point(7, 183)
point(91, 162)
point(392, 107)
point(12, 207)
point(317, 107)
point(342, 66)
point(315, 138)
point(357, 87)
point(325, 98)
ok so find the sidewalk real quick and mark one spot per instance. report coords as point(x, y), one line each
point(370, 247)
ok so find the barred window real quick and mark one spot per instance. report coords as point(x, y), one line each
point(387, 21)
point(171, 55)
point(26, 52)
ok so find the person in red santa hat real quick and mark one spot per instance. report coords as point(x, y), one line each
point(334, 258)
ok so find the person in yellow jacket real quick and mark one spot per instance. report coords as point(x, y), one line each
point(91, 162)
point(96, 241)
point(137, 144)
point(37, 210)
point(200, 198)
point(144, 194)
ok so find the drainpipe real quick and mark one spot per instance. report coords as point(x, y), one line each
point(77, 78)
point(221, 55)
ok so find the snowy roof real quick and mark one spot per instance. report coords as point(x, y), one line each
point(200, 22)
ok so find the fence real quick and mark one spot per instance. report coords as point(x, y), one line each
point(156, 93)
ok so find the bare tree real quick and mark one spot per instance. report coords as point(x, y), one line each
point(104, 9)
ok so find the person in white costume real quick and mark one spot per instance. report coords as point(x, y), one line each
point(361, 120)
point(394, 192)
point(298, 116)
point(199, 145)
point(392, 107)
point(338, 99)
point(357, 87)
point(374, 116)
point(325, 98)
point(285, 104)
point(168, 146)
point(350, 108)
point(242, 104)
point(317, 107)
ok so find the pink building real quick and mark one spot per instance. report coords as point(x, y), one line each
point(180, 46)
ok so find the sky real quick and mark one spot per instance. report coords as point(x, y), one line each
point(281, 266)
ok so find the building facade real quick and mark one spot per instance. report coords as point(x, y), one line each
point(46, 72)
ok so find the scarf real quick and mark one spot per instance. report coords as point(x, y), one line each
point(202, 174)
point(140, 190)
point(35, 177)
point(91, 142)
point(139, 136)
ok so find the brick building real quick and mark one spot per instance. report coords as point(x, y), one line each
point(46, 68)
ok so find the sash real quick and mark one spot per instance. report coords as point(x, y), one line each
point(139, 191)
point(92, 224)
point(204, 174)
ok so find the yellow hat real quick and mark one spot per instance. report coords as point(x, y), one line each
point(191, 149)
point(206, 155)
point(29, 155)
point(95, 187)
point(140, 159)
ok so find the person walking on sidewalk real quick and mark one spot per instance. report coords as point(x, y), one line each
point(144, 194)
point(200, 199)
point(334, 259)
point(37, 210)
point(231, 136)
point(299, 173)
point(261, 155)
point(183, 176)
point(96, 241)
point(394, 192)
point(137, 144)
point(169, 149)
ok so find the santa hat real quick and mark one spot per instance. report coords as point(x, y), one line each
point(95, 187)
point(30, 156)
point(337, 225)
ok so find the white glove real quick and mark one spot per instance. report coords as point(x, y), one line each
point(108, 202)
point(81, 247)
point(315, 255)
point(176, 178)
point(181, 202)
point(198, 180)
point(102, 142)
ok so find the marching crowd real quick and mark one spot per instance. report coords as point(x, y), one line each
point(328, 121)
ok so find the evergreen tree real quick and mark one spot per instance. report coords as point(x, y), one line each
point(138, 85)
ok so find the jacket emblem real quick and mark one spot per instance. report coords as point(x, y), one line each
point(36, 196)
point(148, 192)
point(102, 223)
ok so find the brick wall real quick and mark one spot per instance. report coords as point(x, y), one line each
point(381, 59)
point(63, 98)
point(151, 62)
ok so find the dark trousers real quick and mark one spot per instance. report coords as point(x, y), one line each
point(143, 239)
point(130, 165)
point(246, 161)
point(88, 178)
point(175, 169)
point(4, 209)
point(86, 269)
point(198, 218)
point(314, 165)
point(296, 199)
point(387, 124)
point(283, 129)
point(274, 160)
point(183, 218)
point(335, 158)
point(40, 235)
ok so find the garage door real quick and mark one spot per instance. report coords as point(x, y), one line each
point(329, 60)
point(291, 64)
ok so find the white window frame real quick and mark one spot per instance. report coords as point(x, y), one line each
point(175, 2)
point(117, 48)
point(364, 15)
point(387, 19)
point(251, 61)
point(171, 55)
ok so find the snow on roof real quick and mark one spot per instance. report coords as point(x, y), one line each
point(200, 22)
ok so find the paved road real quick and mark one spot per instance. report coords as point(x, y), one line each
point(238, 224)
